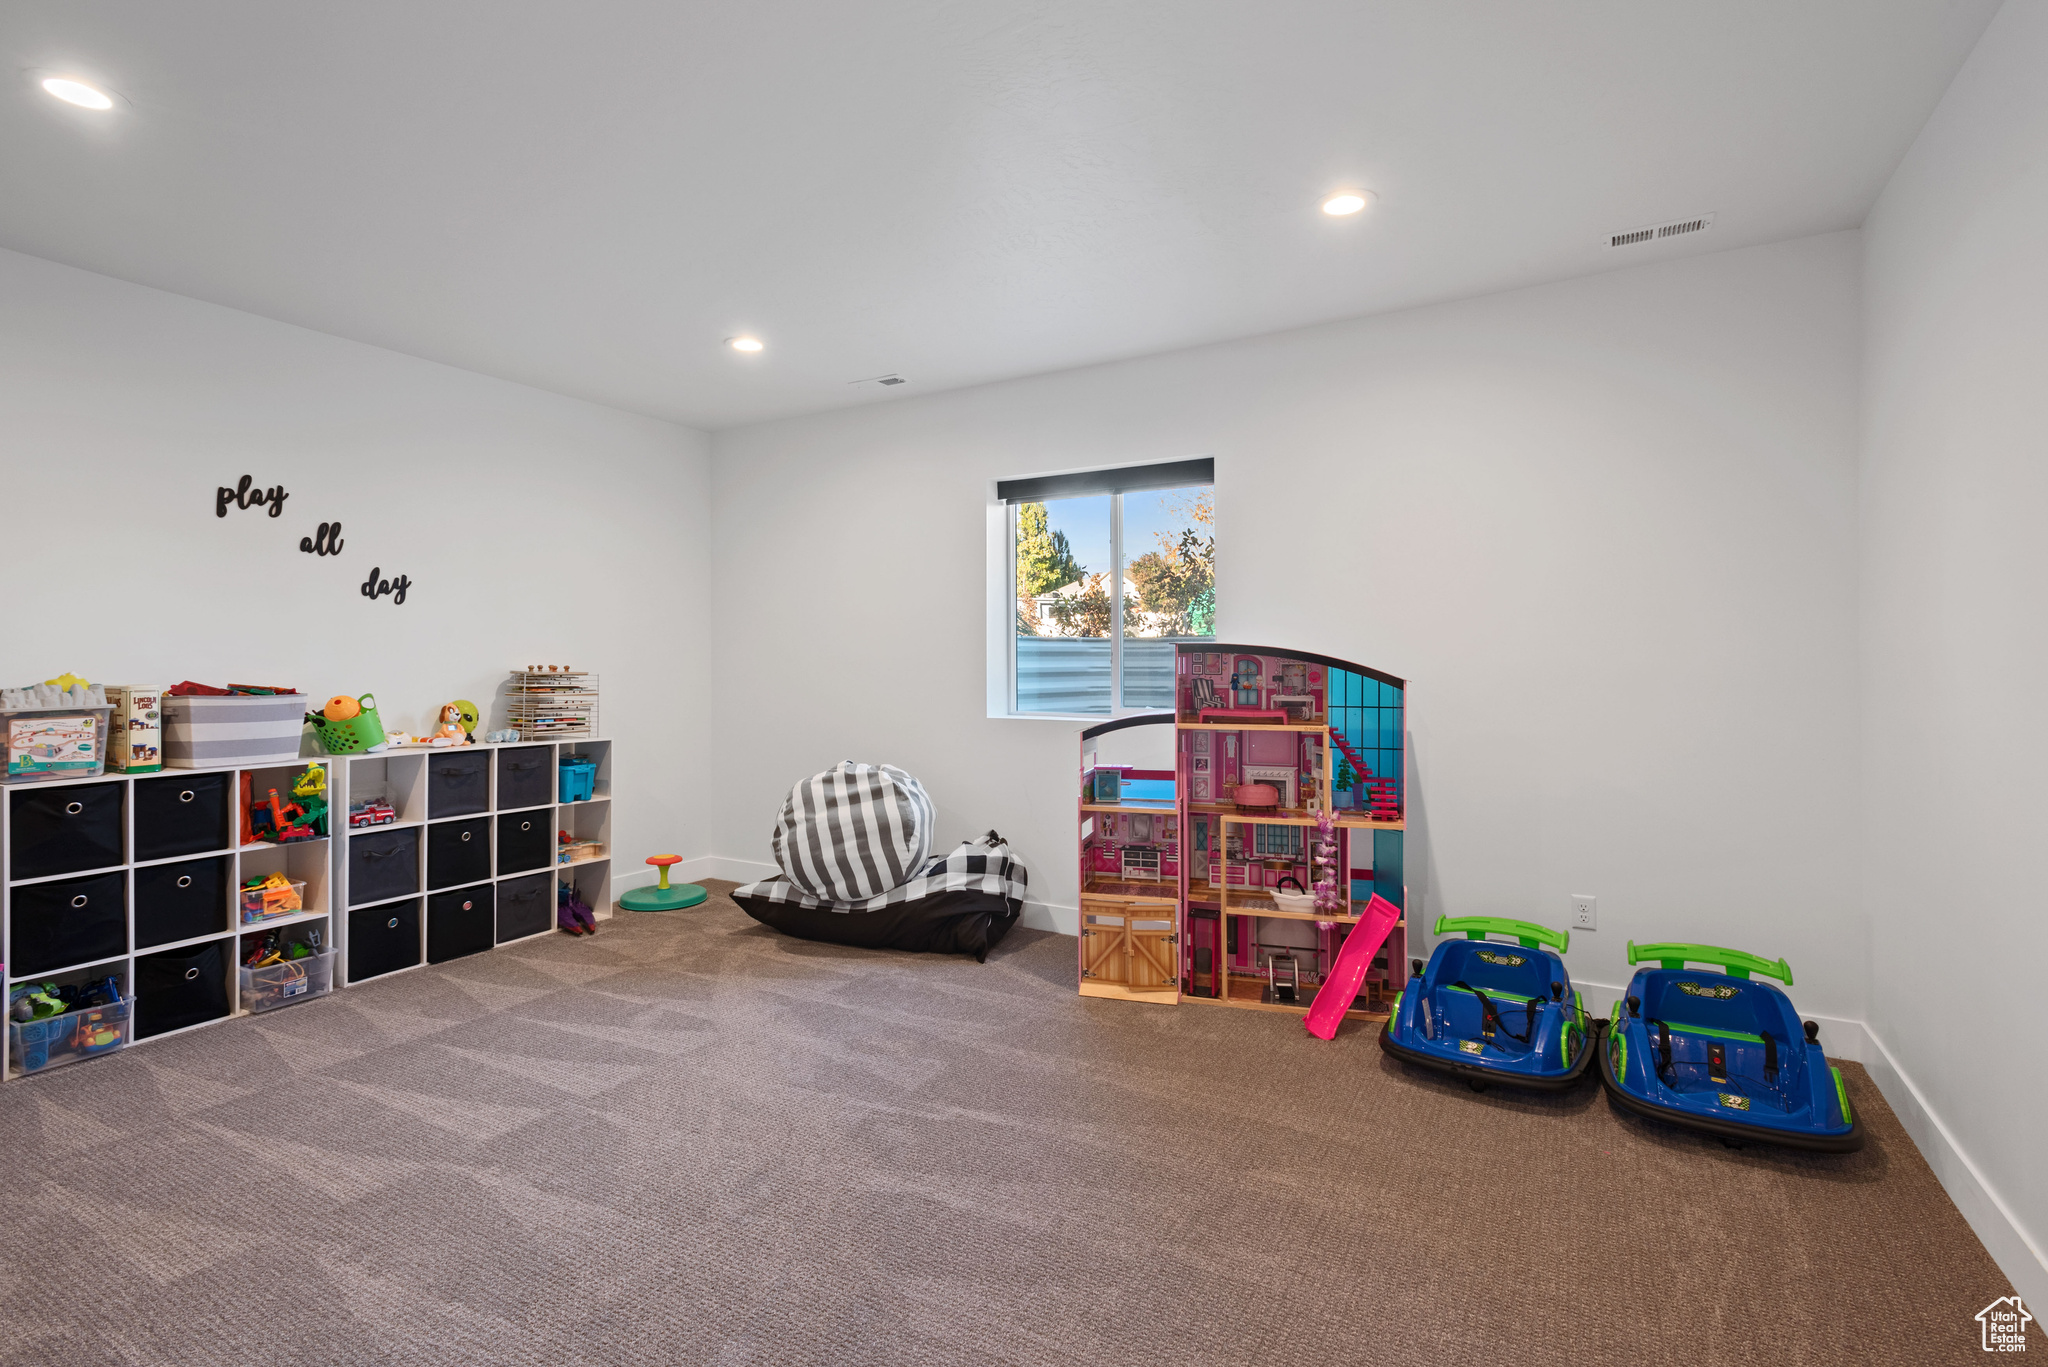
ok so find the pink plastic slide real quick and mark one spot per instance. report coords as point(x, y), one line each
point(1347, 975)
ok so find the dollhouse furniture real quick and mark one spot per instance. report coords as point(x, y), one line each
point(1178, 889)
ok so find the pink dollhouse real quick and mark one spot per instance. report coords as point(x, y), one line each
point(1233, 877)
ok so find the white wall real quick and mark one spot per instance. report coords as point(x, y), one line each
point(1955, 640)
point(534, 528)
point(1605, 527)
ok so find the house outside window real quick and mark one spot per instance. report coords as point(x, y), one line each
point(1108, 570)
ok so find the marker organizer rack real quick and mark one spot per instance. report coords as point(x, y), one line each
point(552, 704)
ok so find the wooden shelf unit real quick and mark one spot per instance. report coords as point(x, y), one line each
point(1222, 934)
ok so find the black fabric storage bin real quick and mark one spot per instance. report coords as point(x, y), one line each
point(383, 939)
point(459, 852)
point(383, 865)
point(526, 906)
point(181, 814)
point(69, 921)
point(526, 776)
point(62, 830)
point(526, 840)
point(459, 923)
point(180, 988)
point(458, 783)
point(180, 901)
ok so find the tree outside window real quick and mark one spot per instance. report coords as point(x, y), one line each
point(1073, 555)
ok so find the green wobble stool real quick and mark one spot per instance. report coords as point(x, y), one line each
point(662, 897)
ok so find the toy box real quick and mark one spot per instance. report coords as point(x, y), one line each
point(294, 980)
point(202, 732)
point(275, 896)
point(135, 732)
point(59, 742)
point(75, 1035)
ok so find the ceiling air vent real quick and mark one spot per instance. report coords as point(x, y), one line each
point(1657, 232)
point(878, 382)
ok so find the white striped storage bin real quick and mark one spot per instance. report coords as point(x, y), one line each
point(210, 733)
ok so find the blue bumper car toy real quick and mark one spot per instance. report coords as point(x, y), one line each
point(1490, 1012)
point(1717, 1051)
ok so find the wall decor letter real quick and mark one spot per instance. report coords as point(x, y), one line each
point(375, 588)
point(327, 541)
point(242, 496)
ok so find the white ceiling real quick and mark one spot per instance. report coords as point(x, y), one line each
point(589, 197)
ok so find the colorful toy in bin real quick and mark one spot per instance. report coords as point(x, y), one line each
point(1717, 1051)
point(1491, 1012)
point(272, 895)
point(663, 897)
point(272, 820)
point(56, 729)
point(348, 726)
point(51, 1024)
point(579, 778)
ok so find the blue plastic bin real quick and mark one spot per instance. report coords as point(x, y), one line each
point(579, 778)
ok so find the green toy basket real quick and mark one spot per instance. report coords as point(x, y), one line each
point(359, 732)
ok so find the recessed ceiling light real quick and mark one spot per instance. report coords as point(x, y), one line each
point(1345, 202)
point(744, 343)
point(78, 93)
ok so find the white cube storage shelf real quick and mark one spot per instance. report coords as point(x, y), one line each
point(137, 877)
point(469, 858)
point(142, 882)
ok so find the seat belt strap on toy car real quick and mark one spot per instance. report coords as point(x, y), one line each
point(1490, 1019)
point(1487, 1015)
point(1770, 1058)
point(1717, 1062)
point(1663, 1047)
point(1529, 1026)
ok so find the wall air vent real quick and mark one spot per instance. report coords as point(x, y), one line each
point(878, 382)
point(1657, 232)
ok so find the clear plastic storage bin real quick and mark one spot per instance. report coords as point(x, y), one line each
point(295, 980)
point(51, 1043)
point(43, 743)
point(260, 904)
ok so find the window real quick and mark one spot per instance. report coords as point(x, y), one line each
point(1107, 571)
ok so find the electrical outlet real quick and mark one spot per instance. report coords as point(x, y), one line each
point(1585, 912)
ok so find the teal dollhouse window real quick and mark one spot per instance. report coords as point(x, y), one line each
point(1109, 570)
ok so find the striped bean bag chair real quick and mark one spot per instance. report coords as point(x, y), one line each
point(854, 832)
point(854, 847)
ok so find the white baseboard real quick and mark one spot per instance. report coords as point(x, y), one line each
point(1047, 916)
point(2017, 1253)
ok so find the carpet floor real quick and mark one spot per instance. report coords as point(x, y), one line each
point(691, 1140)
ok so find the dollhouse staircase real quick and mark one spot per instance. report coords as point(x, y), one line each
point(1381, 804)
